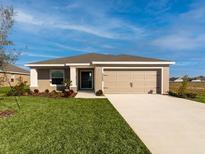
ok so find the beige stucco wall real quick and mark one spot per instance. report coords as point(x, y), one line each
point(166, 79)
point(99, 75)
point(9, 76)
point(98, 78)
point(44, 79)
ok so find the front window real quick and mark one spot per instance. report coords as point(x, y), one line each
point(57, 77)
point(12, 78)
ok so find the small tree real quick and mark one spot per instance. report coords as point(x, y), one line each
point(6, 23)
point(183, 88)
point(6, 56)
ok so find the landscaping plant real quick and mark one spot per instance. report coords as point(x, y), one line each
point(183, 88)
point(68, 83)
point(99, 93)
point(36, 92)
point(19, 89)
point(6, 23)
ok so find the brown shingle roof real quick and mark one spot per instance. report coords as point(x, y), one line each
point(13, 68)
point(88, 58)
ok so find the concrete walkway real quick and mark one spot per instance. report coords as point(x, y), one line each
point(87, 94)
point(167, 125)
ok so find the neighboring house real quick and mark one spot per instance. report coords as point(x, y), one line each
point(179, 80)
point(13, 73)
point(196, 80)
point(109, 73)
point(172, 79)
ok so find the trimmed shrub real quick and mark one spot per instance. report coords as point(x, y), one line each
point(185, 95)
point(46, 91)
point(99, 93)
point(171, 93)
point(36, 91)
point(68, 93)
point(54, 94)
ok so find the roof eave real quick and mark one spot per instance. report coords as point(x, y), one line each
point(134, 62)
point(77, 64)
point(14, 72)
point(46, 65)
point(104, 62)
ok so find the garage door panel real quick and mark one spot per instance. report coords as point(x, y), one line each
point(137, 79)
point(149, 87)
point(138, 76)
point(150, 91)
point(123, 76)
point(154, 73)
point(138, 84)
point(150, 73)
point(110, 84)
point(150, 77)
point(138, 90)
point(116, 90)
point(109, 76)
point(123, 91)
point(151, 83)
point(133, 81)
point(123, 84)
point(138, 72)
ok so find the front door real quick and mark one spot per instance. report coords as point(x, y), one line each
point(86, 79)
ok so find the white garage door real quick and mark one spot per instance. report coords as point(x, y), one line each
point(131, 81)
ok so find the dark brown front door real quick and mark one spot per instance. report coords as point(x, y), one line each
point(86, 79)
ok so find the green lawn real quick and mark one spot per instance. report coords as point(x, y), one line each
point(4, 90)
point(45, 125)
point(200, 98)
point(193, 87)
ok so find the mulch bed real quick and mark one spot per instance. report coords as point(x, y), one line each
point(7, 113)
point(55, 95)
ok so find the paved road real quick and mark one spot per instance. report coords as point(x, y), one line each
point(167, 125)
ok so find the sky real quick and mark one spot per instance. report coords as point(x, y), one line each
point(167, 29)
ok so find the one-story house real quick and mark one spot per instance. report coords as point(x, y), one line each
point(180, 79)
point(109, 73)
point(11, 75)
point(196, 80)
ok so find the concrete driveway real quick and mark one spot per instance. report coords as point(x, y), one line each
point(167, 125)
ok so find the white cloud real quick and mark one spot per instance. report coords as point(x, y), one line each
point(105, 28)
point(66, 47)
point(30, 54)
point(186, 33)
point(86, 29)
point(196, 14)
point(69, 47)
point(26, 18)
point(180, 42)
